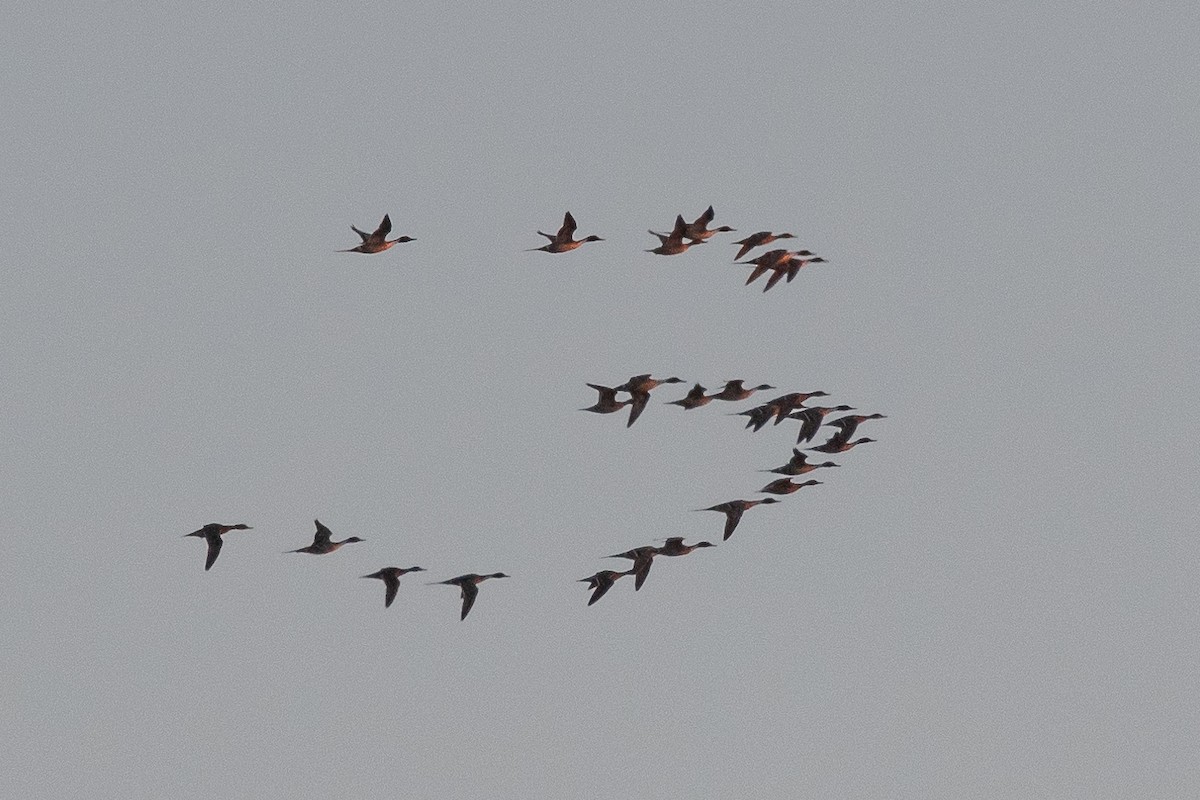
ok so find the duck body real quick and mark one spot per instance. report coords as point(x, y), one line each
point(785, 486)
point(564, 241)
point(469, 584)
point(601, 582)
point(391, 581)
point(672, 244)
point(757, 240)
point(698, 229)
point(734, 390)
point(323, 542)
point(211, 534)
point(377, 241)
point(733, 510)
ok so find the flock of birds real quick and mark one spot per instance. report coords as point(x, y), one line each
point(787, 406)
point(783, 264)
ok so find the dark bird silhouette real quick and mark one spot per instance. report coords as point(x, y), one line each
point(608, 402)
point(785, 486)
point(839, 443)
point(778, 408)
point(757, 239)
point(758, 416)
point(811, 419)
point(469, 584)
point(639, 387)
point(564, 240)
point(675, 547)
point(391, 581)
point(694, 398)
point(733, 511)
point(601, 582)
point(643, 559)
point(849, 424)
point(735, 391)
point(212, 533)
point(798, 465)
point(377, 242)
point(323, 541)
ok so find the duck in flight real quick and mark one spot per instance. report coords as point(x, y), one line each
point(735, 391)
point(785, 486)
point(698, 230)
point(733, 511)
point(391, 581)
point(849, 423)
point(811, 419)
point(639, 387)
point(377, 242)
point(798, 464)
point(607, 402)
point(757, 240)
point(643, 559)
point(601, 582)
point(673, 244)
point(469, 584)
point(212, 533)
point(564, 240)
point(694, 398)
point(323, 541)
point(674, 546)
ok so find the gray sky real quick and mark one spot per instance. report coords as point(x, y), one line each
point(997, 600)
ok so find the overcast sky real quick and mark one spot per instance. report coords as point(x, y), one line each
point(997, 599)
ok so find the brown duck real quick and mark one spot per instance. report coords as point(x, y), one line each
point(377, 242)
point(785, 486)
point(565, 240)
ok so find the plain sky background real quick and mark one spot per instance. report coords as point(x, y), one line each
point(998, 600)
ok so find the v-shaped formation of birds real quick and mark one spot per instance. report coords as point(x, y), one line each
point(782, 264)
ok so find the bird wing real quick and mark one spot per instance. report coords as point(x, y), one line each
point(607, 393)
point(365, 236)
point(391, 585)
point(323, 534)
point(385, 227)
point(846, 425)
point(677, 233)
point(469, 592)
point(641, 568)
point(636, 405)
point(732, 517)
point(567, 231)
point(810, 423)
point(774, 279)
point(602, 586)
point(214, 550)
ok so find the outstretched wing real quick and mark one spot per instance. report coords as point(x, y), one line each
point(637, 405)
point(214, 550)
point(732, 517)
point(323, 534)
point(391, 584)
point(469, 592)
point(385, 227)
point(567, 231)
